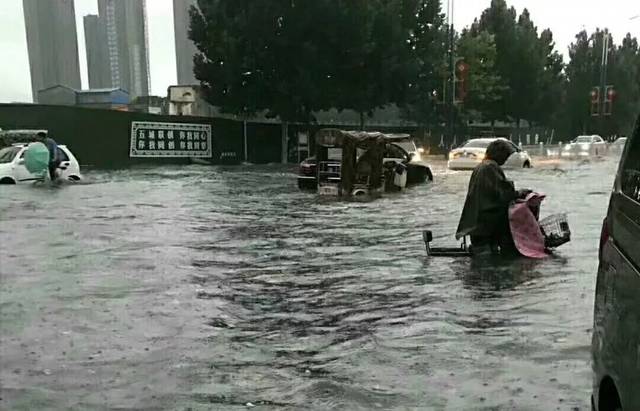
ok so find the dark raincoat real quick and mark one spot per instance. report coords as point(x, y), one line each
point(485, 214)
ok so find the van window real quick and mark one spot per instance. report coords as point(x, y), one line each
point(631, 169)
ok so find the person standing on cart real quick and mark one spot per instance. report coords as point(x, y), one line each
point(485, 216)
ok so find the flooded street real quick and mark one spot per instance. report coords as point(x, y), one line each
point(225, 288)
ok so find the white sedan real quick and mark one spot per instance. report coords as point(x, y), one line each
point(585, 146)
point(13, 171)
point(473, 152)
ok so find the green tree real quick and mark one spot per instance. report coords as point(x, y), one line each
point(582, 75)
point(293, 58)
point(262, 56)
point(500, 21)
point(484, 85)
point(526, 61)
point(427, 64)
point(624, 75)
point(373, 57)
point(525, 73)
point(552, 83)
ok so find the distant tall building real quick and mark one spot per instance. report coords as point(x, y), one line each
point(52, 43)
point(125, 25)
point(95, 36)
point(185, 49)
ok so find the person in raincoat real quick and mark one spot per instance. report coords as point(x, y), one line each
point(52, 146)
point(485, 216)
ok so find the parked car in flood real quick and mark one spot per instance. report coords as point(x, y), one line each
point(402, 150)
point(585, 146)
point(13, 170)
point(615, 344)
point(473, 151)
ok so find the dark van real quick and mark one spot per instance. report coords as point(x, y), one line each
point(616, 330)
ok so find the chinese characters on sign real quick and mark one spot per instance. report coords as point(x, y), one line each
point(154, 139)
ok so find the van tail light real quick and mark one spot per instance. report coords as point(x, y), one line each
point(604, 237)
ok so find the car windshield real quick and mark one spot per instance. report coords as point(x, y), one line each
point(477, 144)
point(7, 154)
point(583, 139)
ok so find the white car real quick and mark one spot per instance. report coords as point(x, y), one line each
point(13, 171)
point(473, 152)
point(585, 146)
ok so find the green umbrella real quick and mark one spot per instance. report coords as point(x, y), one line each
point(36, 158)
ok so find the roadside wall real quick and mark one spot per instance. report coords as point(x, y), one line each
point(101, 138)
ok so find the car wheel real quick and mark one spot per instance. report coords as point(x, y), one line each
point(7, 180)
point(429, 175)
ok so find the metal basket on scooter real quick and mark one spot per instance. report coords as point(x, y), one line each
point(555, 229)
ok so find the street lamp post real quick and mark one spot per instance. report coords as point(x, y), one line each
point(451, 75)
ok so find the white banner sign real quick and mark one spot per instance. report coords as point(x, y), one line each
point(155, 139)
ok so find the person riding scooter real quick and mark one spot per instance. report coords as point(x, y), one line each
point(485, 216)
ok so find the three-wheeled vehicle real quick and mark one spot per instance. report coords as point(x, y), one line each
point(354, 163)
point(400, 149)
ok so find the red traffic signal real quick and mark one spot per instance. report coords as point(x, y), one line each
point(595, 101)
point(461, 79)
point(462, 70)
point(611, 93)
point(609, 96)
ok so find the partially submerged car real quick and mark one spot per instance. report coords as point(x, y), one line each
point(399, 148)
point(584, 147)
point(473, 152)
point(13, 170)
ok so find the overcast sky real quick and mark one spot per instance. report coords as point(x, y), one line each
point(564, 17)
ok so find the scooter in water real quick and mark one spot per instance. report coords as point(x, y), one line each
point(532, 237)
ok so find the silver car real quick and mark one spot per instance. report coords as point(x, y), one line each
point(584, 147)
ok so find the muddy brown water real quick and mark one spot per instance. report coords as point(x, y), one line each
point(227, 288)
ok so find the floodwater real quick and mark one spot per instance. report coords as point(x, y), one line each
point(201, 288)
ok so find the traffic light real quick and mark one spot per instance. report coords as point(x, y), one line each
point(595, 101)
point(461, 79)
point(609, 96)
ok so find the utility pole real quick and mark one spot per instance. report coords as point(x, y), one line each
point(606, 38)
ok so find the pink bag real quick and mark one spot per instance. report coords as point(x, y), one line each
point(523, 220)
